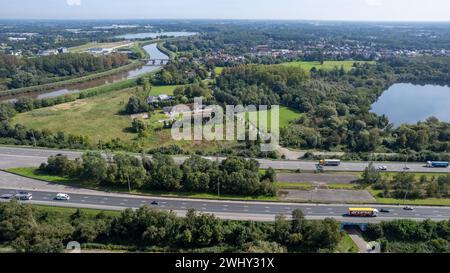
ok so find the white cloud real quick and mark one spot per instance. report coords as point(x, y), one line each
point(374, 3)
point(73, 2)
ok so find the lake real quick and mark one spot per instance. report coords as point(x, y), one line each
point(409, 103)
point(154, 35)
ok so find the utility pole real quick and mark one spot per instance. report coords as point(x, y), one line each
point(218, 187)
point(34, 138)
point(129, 184)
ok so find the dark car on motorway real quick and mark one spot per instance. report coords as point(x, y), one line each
point(7, 196)
point(385, 210)
point(23, 196)
point(154, 203)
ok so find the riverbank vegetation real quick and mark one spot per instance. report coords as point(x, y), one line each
point(38, 230)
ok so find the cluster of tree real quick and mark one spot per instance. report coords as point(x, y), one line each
point(406, 236)
point(191, 91)
point(180, 72)
point(232, 176)
point(406, 185)
point(33, 230)
point(23, 72)
point(20, 135)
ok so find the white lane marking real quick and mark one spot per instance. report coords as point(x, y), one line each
point(225, 205)
point(224, 209)
point(245, 206)
point(84, 201)
point(105, 198)
point(162, 206)
point(267, 210)
point(101, 202)
point(143, 201)
point(122, 204)
point(183, 207)
point(86, 197)
point(125, 200)
point(308, 208)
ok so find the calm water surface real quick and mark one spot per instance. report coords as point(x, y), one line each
point(409, 103)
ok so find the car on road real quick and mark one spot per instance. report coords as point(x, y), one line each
point(154, 203)
point(24, 196)
point(62, 197)
point(385, 210)
point(7, 196)
point(408, 208)
point(382, 168)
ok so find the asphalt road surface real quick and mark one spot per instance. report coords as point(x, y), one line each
point(239, 210)
point(11, 157)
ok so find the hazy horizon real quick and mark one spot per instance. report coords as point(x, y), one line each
point(280, 10)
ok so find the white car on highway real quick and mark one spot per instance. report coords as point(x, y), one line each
point(382, 168)
point(62, 197)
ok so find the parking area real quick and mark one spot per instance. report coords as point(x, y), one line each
point(317, 178)
point(326, 195)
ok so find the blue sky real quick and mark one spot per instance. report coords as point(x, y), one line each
point(352, 10)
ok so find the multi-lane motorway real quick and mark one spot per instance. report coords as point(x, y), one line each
point(266, 211)
point(22, 157)
point(258, 211)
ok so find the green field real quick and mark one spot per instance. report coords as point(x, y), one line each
point(98, 117)
point(286, 115)
point(328, 65)
point(166, 89)
point(218, 70)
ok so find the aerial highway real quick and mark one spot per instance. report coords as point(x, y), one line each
point(237, 210)
point(263, 211)
point(11, 157)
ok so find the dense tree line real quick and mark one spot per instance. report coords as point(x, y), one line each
point(30, 230)
point(406, 236)
point(180, 72)
point(232, 176)
point(20, 135)
point(23, 72)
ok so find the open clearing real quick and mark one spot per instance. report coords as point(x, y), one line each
point(83, 48)
point(286, 116)
point(328, 65)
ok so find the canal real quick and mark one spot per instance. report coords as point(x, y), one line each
point(151, 49)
